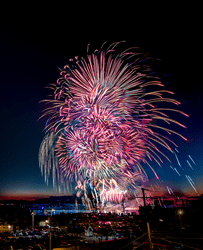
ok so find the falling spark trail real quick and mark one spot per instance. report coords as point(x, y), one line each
point(172, 191)
point(190, 181)
point(168, 190)
point(177, 171)
point(176, 150)
point(171, 167)
point(190, 165)
point(192, 159)
point(177, 159)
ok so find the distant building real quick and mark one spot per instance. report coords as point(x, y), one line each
point(89, 231)
point(54, 208)
point(6, 228)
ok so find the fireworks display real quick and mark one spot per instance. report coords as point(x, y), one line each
point(105, 120)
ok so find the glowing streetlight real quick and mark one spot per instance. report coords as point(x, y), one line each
point(52, 211)
point(180, 212)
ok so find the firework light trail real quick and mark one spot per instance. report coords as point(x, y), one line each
point(190, 165)
point(177, 160)
point(191, 183)
point(191, 159)
point(104, 122)
point(189, 179)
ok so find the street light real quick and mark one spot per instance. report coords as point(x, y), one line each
point(180, 212)
point(52, 211)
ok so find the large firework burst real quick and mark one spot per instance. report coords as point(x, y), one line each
point(102, 119)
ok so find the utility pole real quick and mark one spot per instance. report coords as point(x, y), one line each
point(49, 234)
point(123, 204)
point(148, 228)
point(143, 189)
point(33, 218)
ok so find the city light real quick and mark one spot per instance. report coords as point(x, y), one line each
point(180, 212)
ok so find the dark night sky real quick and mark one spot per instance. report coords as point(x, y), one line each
point(33, 43)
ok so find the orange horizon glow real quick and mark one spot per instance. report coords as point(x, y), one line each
point(28, 196)
point(23, 197)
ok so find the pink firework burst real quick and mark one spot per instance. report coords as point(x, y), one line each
point(103, 118)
